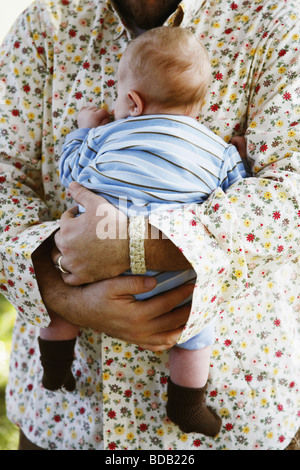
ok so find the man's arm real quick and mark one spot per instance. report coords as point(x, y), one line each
point(109, 306)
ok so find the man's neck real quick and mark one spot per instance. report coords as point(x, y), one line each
point(141, 15)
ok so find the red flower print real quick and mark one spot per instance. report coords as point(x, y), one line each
point(227, 342)
point(214, 107)
point(248, 378)
point(2, 179)
point(277, 322)
point(276, 215)
point(282, 52)
point(229, 427)
point(197, 443)
point(234, 6)
point(86, 65)
point(216, 207)
point(219, 76)
point(16, 45)
point(112, 446)
point(57, 418)
point(250, 237)
point(279, 248)
point(111, 414)
point(143, 427)
point(26, 88)
point(287, 96)
point(263, 147)
point(72, 33)
point(15, 112)
point(110, 83)
point(78, 95)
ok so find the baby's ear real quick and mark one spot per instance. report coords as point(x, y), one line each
point(136, 103)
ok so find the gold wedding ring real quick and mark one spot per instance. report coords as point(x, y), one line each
point(60, 267)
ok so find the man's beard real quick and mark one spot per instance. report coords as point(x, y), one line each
point(146, 14)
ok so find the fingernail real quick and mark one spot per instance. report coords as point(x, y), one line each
point(150, 282)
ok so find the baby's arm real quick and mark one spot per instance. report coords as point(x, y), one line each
point(89, 117)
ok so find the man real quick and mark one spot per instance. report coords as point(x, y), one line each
point(60, 57)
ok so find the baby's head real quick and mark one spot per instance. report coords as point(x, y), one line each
point(165, 70)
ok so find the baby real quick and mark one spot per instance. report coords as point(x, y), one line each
point(155, 155)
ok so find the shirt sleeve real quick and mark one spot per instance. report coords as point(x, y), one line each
point(75, 155)
point(241, 236)
point(25, 221)
point(233, 168)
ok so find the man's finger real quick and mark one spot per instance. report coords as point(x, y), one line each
point(82, 195)
point(131, 285)
point(70, 213)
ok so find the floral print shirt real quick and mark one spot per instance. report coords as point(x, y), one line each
point(243, 244)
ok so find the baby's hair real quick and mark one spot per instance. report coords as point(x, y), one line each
point(169, 67)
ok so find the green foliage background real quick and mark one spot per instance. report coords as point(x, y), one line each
point(8, 432)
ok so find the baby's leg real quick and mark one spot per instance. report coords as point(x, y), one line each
point(57, 344)
point(186, 392)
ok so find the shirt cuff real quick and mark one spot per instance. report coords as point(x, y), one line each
point(17, 276)
point(196, 230)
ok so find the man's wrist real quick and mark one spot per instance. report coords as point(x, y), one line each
point(161, 254)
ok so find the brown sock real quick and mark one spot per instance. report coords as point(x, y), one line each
point(187, 409)
point(56, 358)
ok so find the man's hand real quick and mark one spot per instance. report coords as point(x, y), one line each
point(110, 307)
point(153, 324)
point(93, 246)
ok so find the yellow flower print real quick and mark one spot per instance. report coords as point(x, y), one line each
point(130, 436)
point(291, 133)
point(267, 245)
point(138, 370)
point(119, 430)
point(128, 354)
point(279, 123)
point(215, 353)
point(147, 393)
point(281, 69)
point(253, 124)
point(49, 433)
point(243, 72)
point(238, 273)
point(106, 376)
point(295, 37)
point(71, 111)
point(266, 350)
point(69, 48)
point(88, 82)
point(117, 348)
point(109, 69)
point(232, 393)
point(73, 434)
point(160, 432)
point(232, 97)
point(97, 90)
point(31, 115)
point(247, 222)
point(183, 437)
point(77, 59)
point(65, 130)
point(225, 368)
point(224, 412)
point(246, 430)
point(270, 435)
point(138, 412)
point(268, 195)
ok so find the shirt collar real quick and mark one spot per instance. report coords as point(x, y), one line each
point(181, 16)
